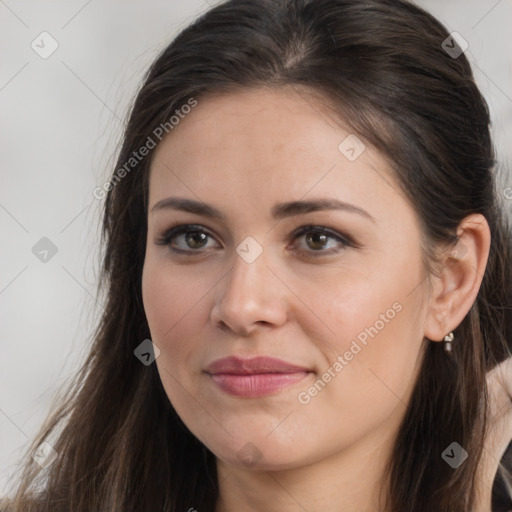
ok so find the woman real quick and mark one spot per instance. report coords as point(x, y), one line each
point(309, 279)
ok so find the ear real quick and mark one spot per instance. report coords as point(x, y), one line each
point(461, 271)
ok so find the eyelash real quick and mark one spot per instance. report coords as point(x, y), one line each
point(179, 229)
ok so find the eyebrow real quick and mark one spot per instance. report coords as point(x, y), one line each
point(279, 211)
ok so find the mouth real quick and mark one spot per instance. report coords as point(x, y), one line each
point(255, 377)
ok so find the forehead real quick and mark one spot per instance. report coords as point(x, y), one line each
point(266, 143)
point(256, 121)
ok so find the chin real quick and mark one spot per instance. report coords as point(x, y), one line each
point(259, 452)
point(252, 458)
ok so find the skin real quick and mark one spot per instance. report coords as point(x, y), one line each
point(499, 382)
point(243, 152)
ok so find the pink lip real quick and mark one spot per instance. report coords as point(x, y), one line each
point(258, 376)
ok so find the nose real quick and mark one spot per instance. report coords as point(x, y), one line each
point(249, 296)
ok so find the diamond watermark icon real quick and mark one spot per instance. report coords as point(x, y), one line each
point(351, 147)
point(454, 45)
point(44, 45)
point(249, 454)
point(454, 455)
point(249, 249)
point(44, 250)
point(147, 352)
point(45, 455)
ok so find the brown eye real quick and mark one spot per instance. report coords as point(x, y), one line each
point(196, 239)
point(185, 238)
point(316, 241)
point(320, 241)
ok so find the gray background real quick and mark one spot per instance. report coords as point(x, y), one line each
point(61, 123)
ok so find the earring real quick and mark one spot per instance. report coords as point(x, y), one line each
point(448, 343)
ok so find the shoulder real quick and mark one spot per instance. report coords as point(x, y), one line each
point(502, 375)
point(499, 383)
point(501, 491)
point(499, 432)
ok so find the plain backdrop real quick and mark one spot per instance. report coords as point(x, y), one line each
point(61, 119)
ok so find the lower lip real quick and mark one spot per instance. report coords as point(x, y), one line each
point(256, 385)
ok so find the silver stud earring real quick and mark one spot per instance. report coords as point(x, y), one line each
point(448, 343)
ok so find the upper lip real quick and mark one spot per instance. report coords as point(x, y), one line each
point(254, 365)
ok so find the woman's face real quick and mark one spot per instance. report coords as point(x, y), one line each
point(343, 310)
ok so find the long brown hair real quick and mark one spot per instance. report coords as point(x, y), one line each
point(383, 67)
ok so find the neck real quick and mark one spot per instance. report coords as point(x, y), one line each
point(354, 480)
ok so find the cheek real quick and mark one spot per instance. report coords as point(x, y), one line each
point(176, 310)
point(379, 299)
point(171, 293)
point(373, 319)
point(175, 306)
point(370, 361)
